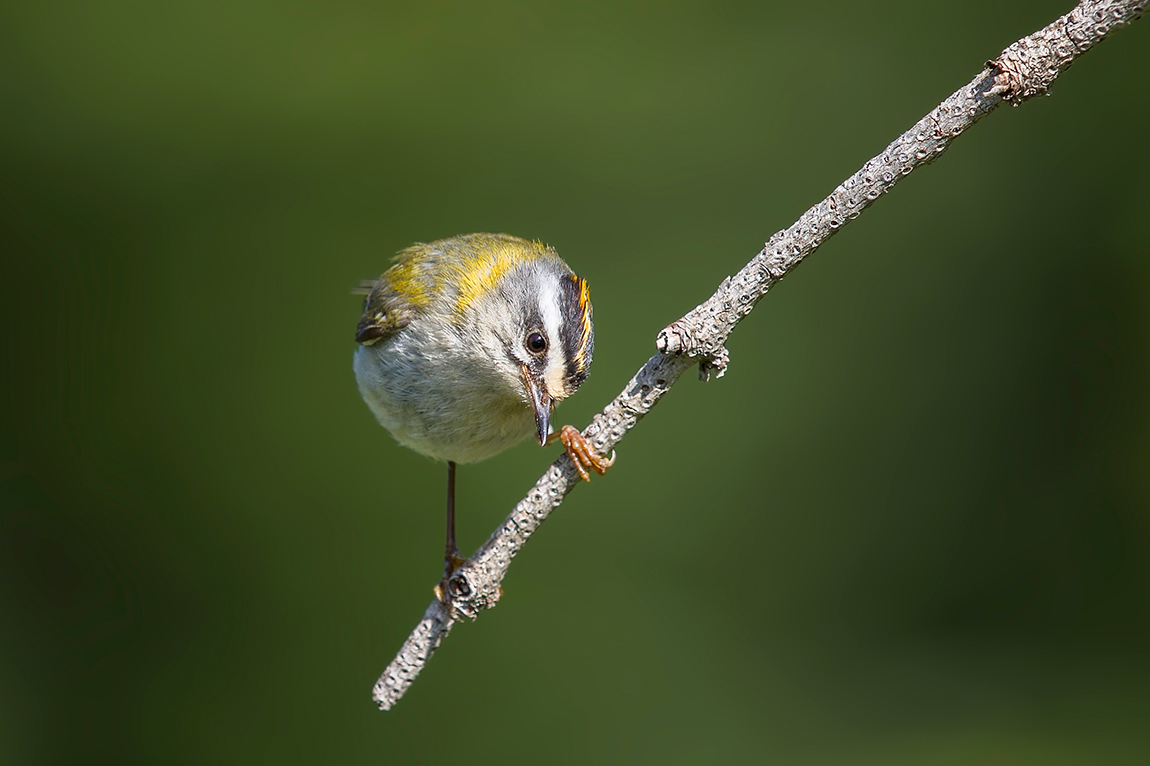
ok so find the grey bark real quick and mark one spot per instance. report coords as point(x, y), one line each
point(1024, 70)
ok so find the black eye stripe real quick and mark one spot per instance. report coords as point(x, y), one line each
point(576, 335)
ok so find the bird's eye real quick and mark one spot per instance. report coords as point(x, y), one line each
point(536, 343)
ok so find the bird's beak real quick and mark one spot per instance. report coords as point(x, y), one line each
point(540, 403)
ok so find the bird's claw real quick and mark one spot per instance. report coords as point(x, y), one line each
point(580, 452)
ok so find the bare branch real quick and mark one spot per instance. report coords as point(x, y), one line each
point(1022, 71)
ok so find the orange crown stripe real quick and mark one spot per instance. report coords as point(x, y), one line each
point(585, 306)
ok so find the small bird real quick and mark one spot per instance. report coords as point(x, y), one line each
point(467, 344)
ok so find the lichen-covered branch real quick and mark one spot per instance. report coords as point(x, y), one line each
point(1023, 70)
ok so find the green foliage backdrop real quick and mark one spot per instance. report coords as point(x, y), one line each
point(910, 526)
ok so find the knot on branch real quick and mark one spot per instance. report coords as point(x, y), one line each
point(682, 338)
point(714, 365)
point(702, 334)
point(1028, 67)
point(1014, 78)
point(468, 591)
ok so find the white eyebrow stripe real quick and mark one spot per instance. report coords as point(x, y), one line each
point(549, 308)
point(553, 323)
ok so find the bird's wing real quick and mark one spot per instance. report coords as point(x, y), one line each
point(385, 312)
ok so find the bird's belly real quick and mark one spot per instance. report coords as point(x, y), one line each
point(443, 413)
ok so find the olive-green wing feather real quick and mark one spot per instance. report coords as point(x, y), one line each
point(384, 312)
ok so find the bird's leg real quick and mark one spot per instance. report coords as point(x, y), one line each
point(451, 557)
point(580, 452)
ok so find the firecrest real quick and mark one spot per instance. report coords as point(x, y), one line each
point(467, 344)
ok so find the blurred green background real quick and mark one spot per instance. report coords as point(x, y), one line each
point(910, 526)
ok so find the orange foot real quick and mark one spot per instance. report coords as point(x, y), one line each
point(580, 452)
